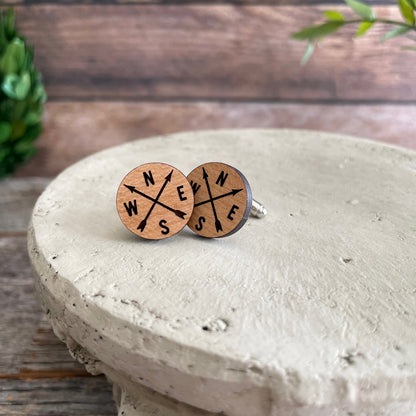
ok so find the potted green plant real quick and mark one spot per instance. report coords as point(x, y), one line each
point(22, 96)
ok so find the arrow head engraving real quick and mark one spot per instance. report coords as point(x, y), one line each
point(130, 188)
point(218, 225)
point(142, 226)
point(180, 214)
point(169, 177)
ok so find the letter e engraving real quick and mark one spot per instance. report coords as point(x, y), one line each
point(181, 193)
point(232, 212)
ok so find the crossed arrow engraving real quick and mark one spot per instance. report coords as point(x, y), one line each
point(177, 212)
point(218, 225)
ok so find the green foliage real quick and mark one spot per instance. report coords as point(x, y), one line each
point(308, 53)
point(361, 9)
point(395, 32)
point(366, 20)
point(333, 15)
point(363, 27)
point(318, 32)
point(22, 96)
point(406, 10)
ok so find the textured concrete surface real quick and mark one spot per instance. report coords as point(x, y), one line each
point(309, 311)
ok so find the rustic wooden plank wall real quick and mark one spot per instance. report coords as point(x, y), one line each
point(121, 70)
point(215, 52)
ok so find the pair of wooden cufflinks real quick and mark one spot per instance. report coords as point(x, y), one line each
point(156, 200)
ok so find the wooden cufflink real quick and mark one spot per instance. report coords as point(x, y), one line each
point(155, 201)
point(223, 200)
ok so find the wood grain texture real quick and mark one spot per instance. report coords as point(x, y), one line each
point(37, 374)
point(16, 203)
point(76, 129)
point(51, 397)
point(155, 201)
point(47, 357)
point(222, 200)
point(28, 347)
point(20, 310)
point(210, 52)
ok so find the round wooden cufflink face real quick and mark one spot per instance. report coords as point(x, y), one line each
point(222, 200)
point(155, 201)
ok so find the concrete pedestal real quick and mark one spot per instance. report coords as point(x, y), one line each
point(308, 311)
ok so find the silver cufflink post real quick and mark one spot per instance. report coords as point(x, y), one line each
point(257, 210)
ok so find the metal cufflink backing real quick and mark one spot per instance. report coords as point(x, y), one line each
point(155, 201)
point(222, 200)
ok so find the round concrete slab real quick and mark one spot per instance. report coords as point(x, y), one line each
point(308, 311)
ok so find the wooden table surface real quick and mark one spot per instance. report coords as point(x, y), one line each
point(116, 71)
point(37, 374)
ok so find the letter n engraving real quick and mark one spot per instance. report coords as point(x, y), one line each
point(148, 178)
point(221, 178)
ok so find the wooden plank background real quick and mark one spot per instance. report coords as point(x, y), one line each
point(215, 52)
point(117, 71)
point(121, 70)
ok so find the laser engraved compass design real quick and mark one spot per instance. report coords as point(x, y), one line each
point(155, 201)
point(222, 200)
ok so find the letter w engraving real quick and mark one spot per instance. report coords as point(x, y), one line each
point(195, 187)
point(132, 207)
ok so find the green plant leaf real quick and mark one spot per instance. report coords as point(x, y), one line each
point(3, 40)
point(23, 146)
point(363, 27)
point(16, 87)
point(406, 11)
point(31, 133)
point(9, 23)
point(9, 85)
point(308, 53)
point(12, 59)
point(32, 117)
point(317, 32)
point(408, 48)
point(412, 4)
point(395, 32)
point(18, 129)
point(39, 93)
point(19, 110)
point(333, 15)
point(23, 86)
point(5, 130)
point(361, 9)
point(21, 96)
